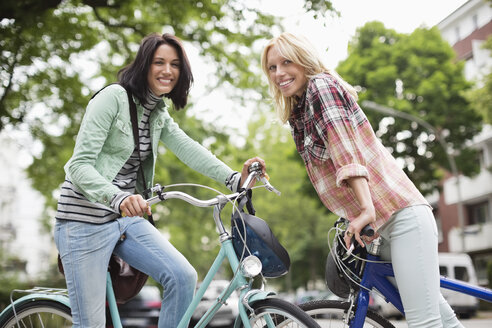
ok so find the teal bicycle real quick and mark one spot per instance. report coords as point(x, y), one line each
point(250, 248)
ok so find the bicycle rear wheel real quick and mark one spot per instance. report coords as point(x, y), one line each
point(38, 313)
point(333, 314)
point(274, 312)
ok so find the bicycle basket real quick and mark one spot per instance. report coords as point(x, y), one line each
point(260, 242)
point(342, 272)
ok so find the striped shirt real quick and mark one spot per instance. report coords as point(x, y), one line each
point(337, 142)
point(73, 205)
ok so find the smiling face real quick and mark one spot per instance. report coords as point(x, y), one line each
point(164, 70)
point(287, 76)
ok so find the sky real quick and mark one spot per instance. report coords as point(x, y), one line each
point(330, 36)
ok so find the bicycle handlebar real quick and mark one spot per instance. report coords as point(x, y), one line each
point(190, 199)
point(367, 231)
point(254, 173)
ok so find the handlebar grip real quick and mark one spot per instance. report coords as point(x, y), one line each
point(255, 166)
point(367, 231)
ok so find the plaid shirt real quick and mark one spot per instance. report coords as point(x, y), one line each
point(336, 142)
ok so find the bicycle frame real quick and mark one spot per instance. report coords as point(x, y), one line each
point(226, 251)
point(238, 282)
point(376, 276)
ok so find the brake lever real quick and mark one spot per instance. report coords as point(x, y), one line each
point(268, 186)
point(256, 167)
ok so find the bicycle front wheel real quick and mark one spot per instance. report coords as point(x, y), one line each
point(38, 313)
point(334, 314)
point(274, 312)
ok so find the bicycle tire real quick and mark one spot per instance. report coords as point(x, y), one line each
point(38, 313)
point(282, 313)
point(333, 314)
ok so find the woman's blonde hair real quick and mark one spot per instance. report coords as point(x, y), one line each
point(298, 50)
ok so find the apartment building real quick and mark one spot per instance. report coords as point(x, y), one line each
point(466, 29)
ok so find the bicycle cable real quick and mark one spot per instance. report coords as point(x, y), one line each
point(344, 268)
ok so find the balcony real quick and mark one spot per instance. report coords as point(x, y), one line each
point(475, 188)
point(476, 238)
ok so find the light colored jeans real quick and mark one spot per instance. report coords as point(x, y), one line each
point(410, 242)
point(85, 250)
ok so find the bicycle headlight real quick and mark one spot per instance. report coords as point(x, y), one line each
point(251, 266)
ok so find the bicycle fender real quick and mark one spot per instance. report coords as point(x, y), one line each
point(34, 297)
point(251, 297)
point(260, 295)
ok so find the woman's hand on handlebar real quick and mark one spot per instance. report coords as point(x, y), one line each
point(134, 205)
point(356, 225)
point(245, 171)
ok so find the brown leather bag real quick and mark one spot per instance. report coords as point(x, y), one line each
point(127, 281)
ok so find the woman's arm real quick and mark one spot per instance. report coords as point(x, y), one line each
point(192, 153)
point(367, 214)
point(93, 132)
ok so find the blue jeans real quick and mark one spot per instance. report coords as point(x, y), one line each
point(85, 250)
point(410, 242)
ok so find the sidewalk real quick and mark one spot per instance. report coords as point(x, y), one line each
point(484, 315)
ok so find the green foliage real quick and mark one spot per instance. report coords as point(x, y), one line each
point(481, 97)
point(53, 53)
point(432, 88)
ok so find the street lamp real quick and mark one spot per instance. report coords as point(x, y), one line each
point(452, 163)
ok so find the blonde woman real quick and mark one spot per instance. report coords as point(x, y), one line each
point(354, 175)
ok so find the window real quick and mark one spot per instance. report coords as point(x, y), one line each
point(481, 262)
point(443, 271)
point(440, 235)
point(461, 273)
point(481, 159)
point(475, 22)
point(478, 213)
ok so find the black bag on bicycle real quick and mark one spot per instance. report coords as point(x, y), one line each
point(259, 239)
point(343, 272)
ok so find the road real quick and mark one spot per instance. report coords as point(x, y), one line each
point(478, 322)
point(467, 323)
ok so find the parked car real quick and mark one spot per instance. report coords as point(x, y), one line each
point(459, 266)
point(142, 311)
point(227, 313)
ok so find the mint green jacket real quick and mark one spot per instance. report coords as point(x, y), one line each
point(105, 142)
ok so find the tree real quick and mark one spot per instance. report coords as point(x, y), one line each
point(418, 74)
point(41, 49)
point(42, 41)
point(48, 46)
point(45, 87)
point(481, 97)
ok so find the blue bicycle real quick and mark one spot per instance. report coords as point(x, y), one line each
point(355, 274)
